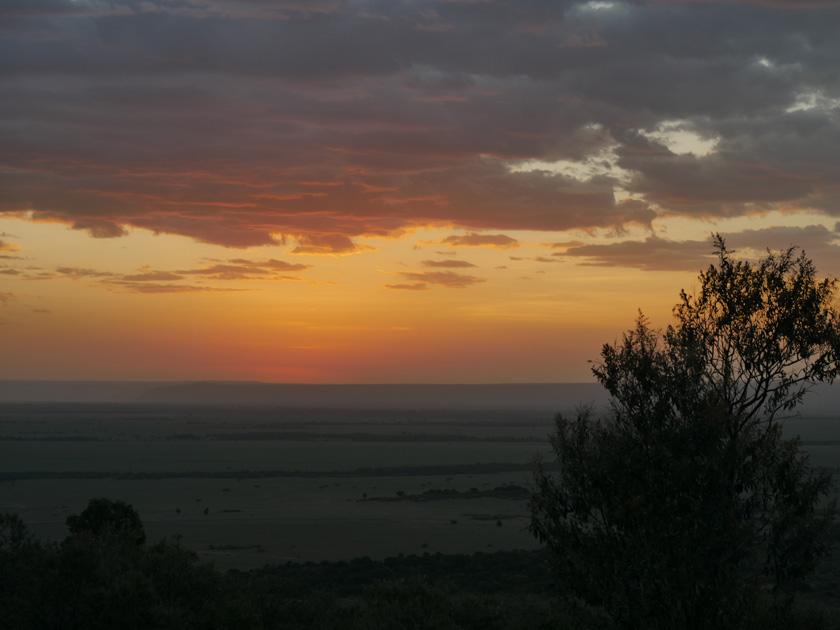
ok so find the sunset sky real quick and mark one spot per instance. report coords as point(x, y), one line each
point(394, 191)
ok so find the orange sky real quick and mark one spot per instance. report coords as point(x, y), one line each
point(443, 192)
point(133, 309)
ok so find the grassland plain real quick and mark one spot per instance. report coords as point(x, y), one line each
point(249, 486)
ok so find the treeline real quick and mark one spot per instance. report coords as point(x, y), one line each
point(313, 436)
point(292, 436)
point(104, 575)
point(512, 492)
point(398, 471)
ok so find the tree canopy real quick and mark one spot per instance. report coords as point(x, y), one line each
point(685, 503)
point(106, 517)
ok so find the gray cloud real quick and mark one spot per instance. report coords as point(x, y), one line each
point(652, 254)
point(239, 122)
point(661, 254)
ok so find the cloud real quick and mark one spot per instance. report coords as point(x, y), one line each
point(225, 272)
point(448, 279)
point(660, 254)
point(473, 239)
point(99, 228)
point(452, 264)
point(80, 272)
point(271, 263)
point(652, 254)
point(6, 297)
point(417, 286)
point(9, 247)
point(243, 269)
point(563, 244)
point(329, 244)
point(151, 281)
point(148, 287)
point(152, 276)
point(219, 121)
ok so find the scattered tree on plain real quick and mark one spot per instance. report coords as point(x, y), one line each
point(686, 503)
point(104, 517)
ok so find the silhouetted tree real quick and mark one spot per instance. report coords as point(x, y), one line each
point(104, 517)
point(680, 506)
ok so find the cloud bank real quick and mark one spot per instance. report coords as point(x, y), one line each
point(249, 123)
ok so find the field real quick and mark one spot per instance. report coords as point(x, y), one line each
point(249, 486)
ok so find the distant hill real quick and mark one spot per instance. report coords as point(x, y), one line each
point(549, 396)
point(538, 396)
point(823, 401)
point(74, 391)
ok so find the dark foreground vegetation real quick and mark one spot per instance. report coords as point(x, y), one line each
point(105, 575)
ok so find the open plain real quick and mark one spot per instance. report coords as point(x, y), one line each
point(247, 486)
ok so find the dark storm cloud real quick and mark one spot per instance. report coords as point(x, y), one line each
point(243, 122)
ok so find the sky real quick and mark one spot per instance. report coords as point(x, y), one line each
point(394, 191)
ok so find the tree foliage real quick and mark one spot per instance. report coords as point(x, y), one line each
point(686, 502)
point(108, 518)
